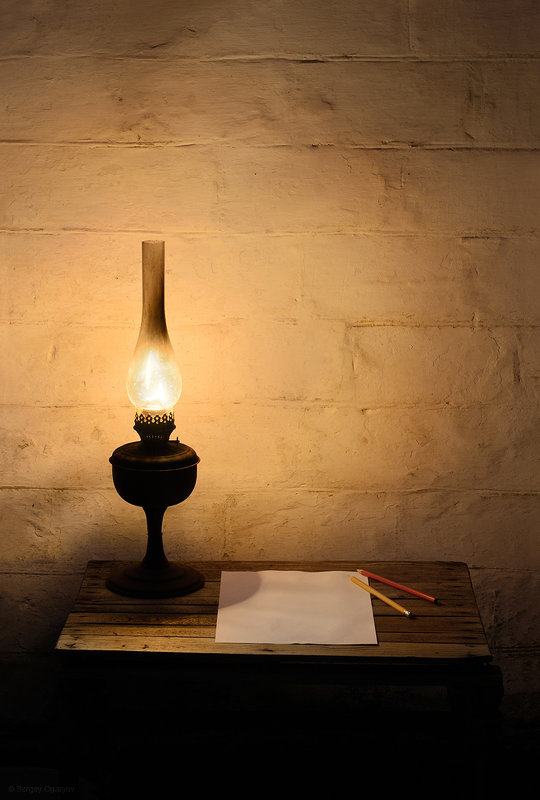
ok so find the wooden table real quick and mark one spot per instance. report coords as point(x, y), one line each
point(134, 665)
point(444, 641)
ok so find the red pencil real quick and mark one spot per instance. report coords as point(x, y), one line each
point(397, 585)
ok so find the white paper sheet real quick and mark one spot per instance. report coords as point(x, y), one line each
point(292, 607)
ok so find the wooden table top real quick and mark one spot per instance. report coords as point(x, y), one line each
point(449, 631)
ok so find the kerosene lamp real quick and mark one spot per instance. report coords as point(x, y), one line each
point(155, 472)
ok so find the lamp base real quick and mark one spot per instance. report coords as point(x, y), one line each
point(173, 580)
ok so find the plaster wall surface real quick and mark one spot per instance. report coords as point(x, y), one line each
point(349, 194)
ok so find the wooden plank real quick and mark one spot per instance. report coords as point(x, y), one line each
point(202, 646)
point(143, 607)
point(118, 614)
point(154, 633)
point(210, 593)
point(452, 578)
point(119, 619)
point(213, 569)
point(165, 607)
point(431, 578)
point(115, 610)
point(458, 627)
point(418, 573)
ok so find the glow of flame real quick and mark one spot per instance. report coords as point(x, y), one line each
point(154, 382)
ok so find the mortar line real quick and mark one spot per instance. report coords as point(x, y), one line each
point(299, 58)
point(264, 233)
point(307, 318)
point(391, 146)
point(332, 490)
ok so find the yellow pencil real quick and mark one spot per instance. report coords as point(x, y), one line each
point(382, 597)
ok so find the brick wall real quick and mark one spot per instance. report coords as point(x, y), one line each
point(349, 194)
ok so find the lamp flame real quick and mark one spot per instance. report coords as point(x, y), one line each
point(154, 382)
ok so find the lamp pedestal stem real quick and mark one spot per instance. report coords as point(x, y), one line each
point(155, 557)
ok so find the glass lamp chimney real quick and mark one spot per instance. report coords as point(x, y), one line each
point(154, 382)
